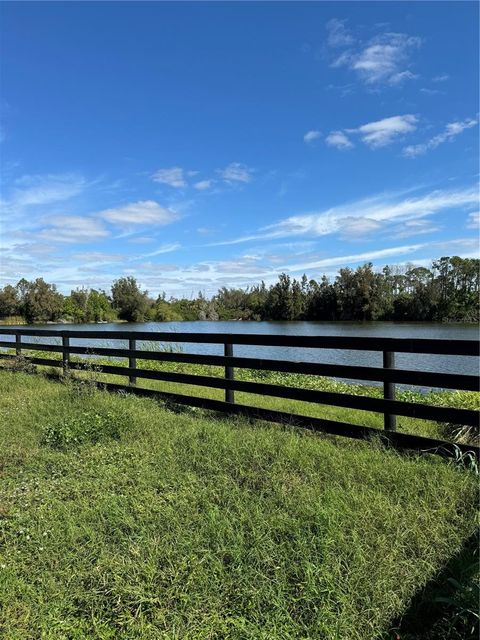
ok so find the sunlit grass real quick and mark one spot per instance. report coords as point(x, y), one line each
point(149, 523)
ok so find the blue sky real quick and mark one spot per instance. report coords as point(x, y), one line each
point(200, 145)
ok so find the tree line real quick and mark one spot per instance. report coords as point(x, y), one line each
point(448, 291)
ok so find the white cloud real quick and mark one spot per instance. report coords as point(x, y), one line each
point(97, 258)
point(431, 92)
point(473, 220)
point(202, 185)
point(32, 190)
point(384, 60)
point(142, 212)
point(401, 76)
point(451, 131)
point(164, 248)
point(236, 172)
point(375, 134)
point(356, 258)
point(441, 78)
point(414, 227)
point(339, 140)
point(174, 177)
point(383, 132)
point(311, 136)
point(354, 228)
point(384, 208)
point(73, 229)
point(338, 35)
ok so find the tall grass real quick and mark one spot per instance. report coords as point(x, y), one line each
point(120, 518)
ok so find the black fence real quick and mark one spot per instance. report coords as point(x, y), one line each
point(388, 375)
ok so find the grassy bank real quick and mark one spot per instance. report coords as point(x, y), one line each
point(120, 518)
point(458, 399)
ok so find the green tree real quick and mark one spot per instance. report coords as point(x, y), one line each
point(41, 301)
point(129, 301)
point(9, 301)
point(98, 307)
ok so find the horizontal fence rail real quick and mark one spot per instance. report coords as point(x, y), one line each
point(389, 375)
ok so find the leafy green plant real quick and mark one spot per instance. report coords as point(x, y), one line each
point(89, 427)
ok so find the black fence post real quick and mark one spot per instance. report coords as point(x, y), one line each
point(18, 344)
point(389, 421)
point(65, 353)
point(132, 361)
point(229, 374)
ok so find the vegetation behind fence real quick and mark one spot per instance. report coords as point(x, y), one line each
point(388, 375)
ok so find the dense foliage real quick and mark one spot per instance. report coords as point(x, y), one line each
point(449, 290)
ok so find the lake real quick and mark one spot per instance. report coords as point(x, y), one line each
point(444, 364)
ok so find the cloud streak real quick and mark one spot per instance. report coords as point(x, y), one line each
point(382, 209)
point(375, 135)
point(383, 132)
point(141, 212)
point(451, 131)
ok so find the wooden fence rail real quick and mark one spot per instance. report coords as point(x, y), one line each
point(389, 375)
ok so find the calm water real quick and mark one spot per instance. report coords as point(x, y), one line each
point(447, 364)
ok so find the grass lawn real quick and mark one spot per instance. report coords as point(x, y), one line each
point(120, 518)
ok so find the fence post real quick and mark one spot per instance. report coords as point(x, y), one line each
point(229, 374)
point(18, 344)
point(132, 361)
point(389, 421)
point(65, 353)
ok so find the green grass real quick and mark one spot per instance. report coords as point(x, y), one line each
point(459, 399)
point(122, 519)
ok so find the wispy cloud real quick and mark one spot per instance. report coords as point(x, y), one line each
point(141, 212)
point(473, 220)
point(451, 131)
point(164, 248)
point(174, 177)
point(431, 92)
point(375, 134)
point(338, 34)
point(366, 256)
point(383, 132)
point(441, 78)
point(203, 185)
point(381, 209)
point(311, 136)
point(236, 172)
point(339, 140)
point(73, 229)
point(38, 190)
point(383, 60)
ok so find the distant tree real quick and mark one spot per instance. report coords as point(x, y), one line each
point(205, 308)
point(9, 301)
point(129, 301)
point(164, 311)
point(75, 305)
point(41, 301)
point(232, 304)
point(99, 307)
point(279, 300)
point(321, 300)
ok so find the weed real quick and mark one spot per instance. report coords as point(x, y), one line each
point(21, 364)
point(89, 427)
